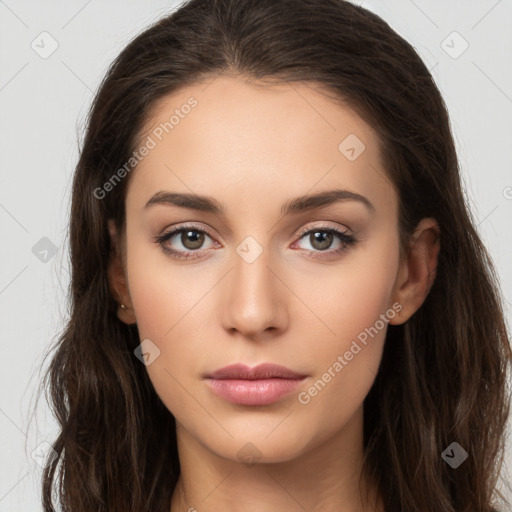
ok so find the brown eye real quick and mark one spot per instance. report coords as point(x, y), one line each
point(326, 241)
point(184, 242)
point(192, 239)
point(321, 240)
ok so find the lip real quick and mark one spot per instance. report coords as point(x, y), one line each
point(262, 385)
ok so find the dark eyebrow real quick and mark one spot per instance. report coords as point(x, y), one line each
point(304, 203)
point(293, 206)
point(192, 201)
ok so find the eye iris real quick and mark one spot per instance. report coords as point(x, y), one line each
point(324, 239)
point(195, 243)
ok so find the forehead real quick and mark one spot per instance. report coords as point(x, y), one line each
point(225, 133)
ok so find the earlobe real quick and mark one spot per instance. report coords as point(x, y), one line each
point(117, 279)
point(419, 269)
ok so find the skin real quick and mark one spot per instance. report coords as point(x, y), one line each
point(253, 148)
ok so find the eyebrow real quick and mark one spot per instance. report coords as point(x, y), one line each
point(292, 206)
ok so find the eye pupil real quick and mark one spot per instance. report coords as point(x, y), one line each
point(324, 239)
point(196, 242)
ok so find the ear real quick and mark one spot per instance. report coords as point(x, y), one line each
point(417, 270)
point(117, 278)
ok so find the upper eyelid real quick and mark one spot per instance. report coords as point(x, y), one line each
point(323, 227)
point(300, 234)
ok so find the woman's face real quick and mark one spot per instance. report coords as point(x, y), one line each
point(250, 287)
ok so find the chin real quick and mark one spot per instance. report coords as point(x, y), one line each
point(251, 447)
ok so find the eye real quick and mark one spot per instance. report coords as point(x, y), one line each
point(322, 238)
point(192, 239)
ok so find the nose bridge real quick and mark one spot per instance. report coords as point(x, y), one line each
point(253, 299)
point(251, 263)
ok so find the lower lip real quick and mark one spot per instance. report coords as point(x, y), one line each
point(253, 392)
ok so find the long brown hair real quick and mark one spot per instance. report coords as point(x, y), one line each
point(443, 376)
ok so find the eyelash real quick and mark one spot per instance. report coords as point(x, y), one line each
point(346, 240)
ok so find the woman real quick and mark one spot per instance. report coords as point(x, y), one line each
point(279, 298)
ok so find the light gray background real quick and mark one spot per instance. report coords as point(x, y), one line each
point(42, 106)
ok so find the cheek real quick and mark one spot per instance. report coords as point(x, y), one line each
point(163, 294)
point(164, 304)
point(358, 312)
point(350, 298)
point(170, 302)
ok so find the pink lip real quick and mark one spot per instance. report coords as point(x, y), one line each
point(262, 385)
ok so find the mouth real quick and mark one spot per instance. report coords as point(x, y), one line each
point(262, 385)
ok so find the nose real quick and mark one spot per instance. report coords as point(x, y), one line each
point(255, 297)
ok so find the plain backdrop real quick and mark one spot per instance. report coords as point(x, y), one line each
point(467, 45)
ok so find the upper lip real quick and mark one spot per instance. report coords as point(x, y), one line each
point(262, 371)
